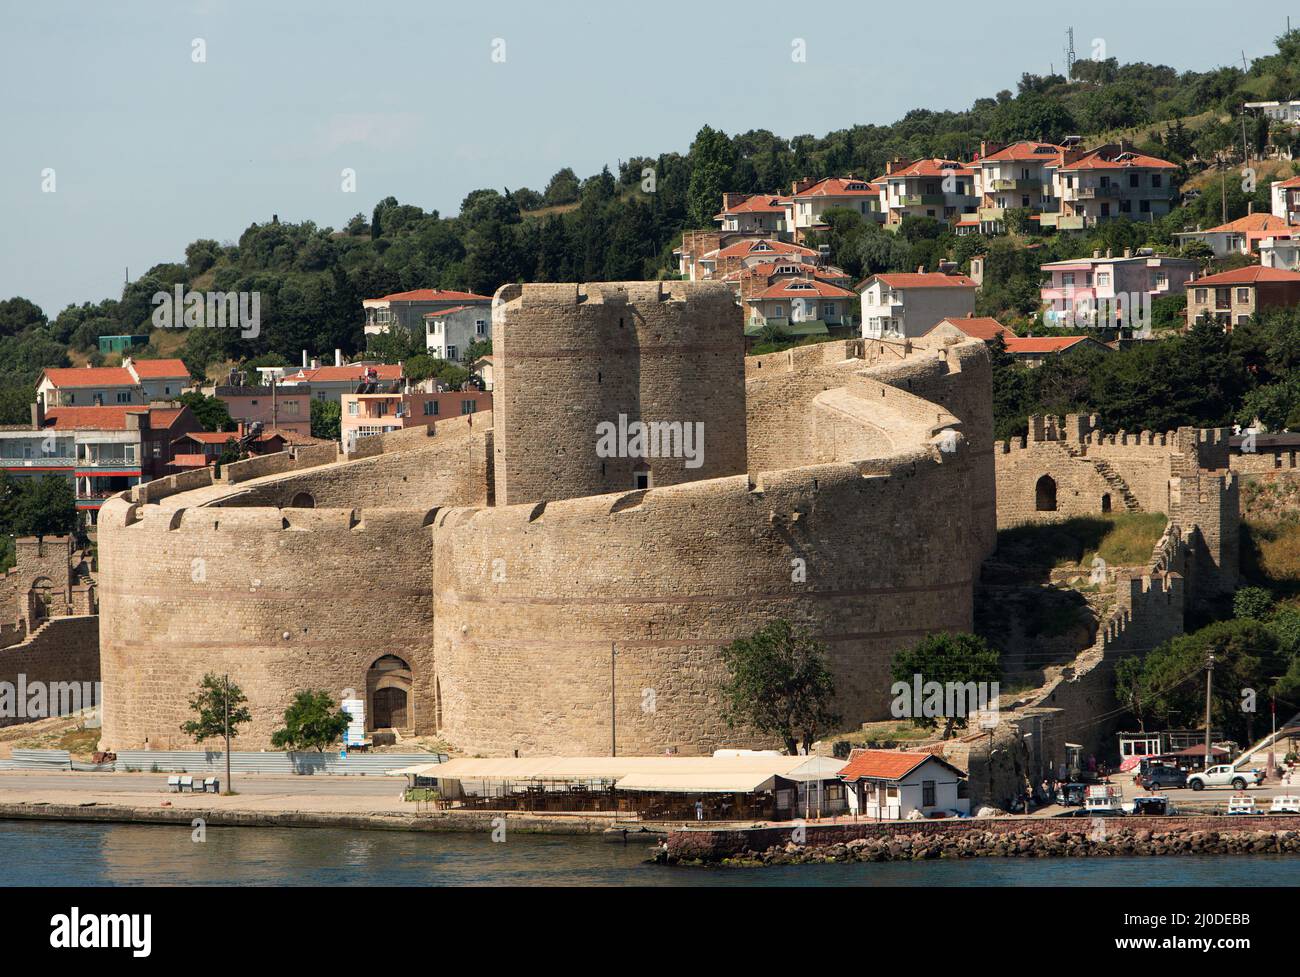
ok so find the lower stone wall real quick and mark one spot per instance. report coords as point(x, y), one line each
point(63, 649)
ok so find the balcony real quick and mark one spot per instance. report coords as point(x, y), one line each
point(1015, 185)
point(923, 200)
point(1063, 222)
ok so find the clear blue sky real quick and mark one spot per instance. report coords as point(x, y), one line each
point(151, 150)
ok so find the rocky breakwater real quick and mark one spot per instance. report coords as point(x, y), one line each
point(1084, 840)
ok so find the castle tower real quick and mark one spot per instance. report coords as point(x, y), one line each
point(608, 387)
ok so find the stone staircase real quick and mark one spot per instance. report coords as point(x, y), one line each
point(1111, 477)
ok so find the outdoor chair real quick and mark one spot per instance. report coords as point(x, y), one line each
point(174, 784)
point(187, 783)
point(212, 786)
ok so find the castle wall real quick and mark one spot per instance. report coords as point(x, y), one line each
point(572, 357)
point(529, 601)
point(63, 649)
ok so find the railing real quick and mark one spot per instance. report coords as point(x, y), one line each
point(9, 462)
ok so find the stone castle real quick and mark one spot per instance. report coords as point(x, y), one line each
point(501, 582)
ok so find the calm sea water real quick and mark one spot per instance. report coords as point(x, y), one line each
point(56, 853)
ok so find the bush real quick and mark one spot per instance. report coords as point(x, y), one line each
point(1252, 602)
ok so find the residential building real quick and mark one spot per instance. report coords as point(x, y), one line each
point(1034, 350)
point(756, 213)
point(1105, 291)
point(1012, 177)
point(1280, 252)
point(483, 369)
point(735, 257)
point(909, 305)
point(893, 786)
point(1285, 196)
point(812, 198)
point(102, 450)
point(1107, 183)
point(366, 414)
point(199, 449)
point(1287, 112)
point(409, 308)
point(1241, 236)
point(939, 188)
point(286, 407)
point(330, 383)
point(793, 301)
point(449, 332)
point(970, 327)
point(1230, 298)
point(134, 382)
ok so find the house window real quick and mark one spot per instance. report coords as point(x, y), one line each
point(124, 398)
point(1067, 278)
point(1243, 320)
point(430, 408)
point(1243, 295)
point(927, 793)
point(451, 352)
point(354, 408)
point(1103, 278)
point(468, 407)
point(1162, 280)
point(291, 406)
point(480, 327)
point(641, 480)
point(167, 390)
point(1200, 295)
point(1132, 179)
point(1144, 206)
point(1155, 179)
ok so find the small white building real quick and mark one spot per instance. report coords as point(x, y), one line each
point(448, 333)
point(893, 786)
point(1280, 252)
point(898, 306)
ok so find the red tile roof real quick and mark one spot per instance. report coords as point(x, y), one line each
point(160, 369)
point(446, 312)
point(164, 416)
point(1125, 160)
point(90, 418)
point(756, 203)
point(1252, 222)
point(1249, 275)
point(434, 295)
point(978, 327)
point(209, 437)
point(90, 376)
point(743, 249)
point(836, 186)
point(794, 288)
point(1288, 184)
point(931, 279)
point(1042, 344)
point(885, 764)
point(384, 371)
point(1021, 151)
point(932, 167)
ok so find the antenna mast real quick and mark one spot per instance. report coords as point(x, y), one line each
point(1069, 53)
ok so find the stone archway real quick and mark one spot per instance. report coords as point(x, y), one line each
point(39, 600)
point(1045, 494)
point(303, 500)
point(390, 703)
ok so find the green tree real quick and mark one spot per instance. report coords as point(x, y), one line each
point(310, 723)
point(943, 658)
point(713, 164)
point(46, 506)
point(779, 684)
point(326, 416)
point(220, 707)
point(1252, 602)
point(211, 412)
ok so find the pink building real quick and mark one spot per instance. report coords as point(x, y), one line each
point(1080, 287)
point(283, 407)
point(367, 414)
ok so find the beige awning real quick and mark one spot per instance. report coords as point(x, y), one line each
point(722, 782)
point(579, 769)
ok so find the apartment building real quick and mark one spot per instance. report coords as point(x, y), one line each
point(1241, 236)
point(1015, 176)
point(1103, 290)
point(792, 301)
point(1107, 183)
point(330, 383)
point(756, 213)
point(285, 407)
point(1285, 197)
point(366, 414)
point(897, 306)
point(812, 198)
point(1280, 252)
point(409, 308)
point(939, 188)
point(1230, 298)
point(449, 333)
point(135, 382)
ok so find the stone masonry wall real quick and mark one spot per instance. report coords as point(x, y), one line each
point(63, 649)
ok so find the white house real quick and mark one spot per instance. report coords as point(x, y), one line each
point(897, 306)
point(448, 333)
point(134, 382)
point(892, 786)
point(1280, 252)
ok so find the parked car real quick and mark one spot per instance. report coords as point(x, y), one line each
point(1225, 775)
point(1159, 777)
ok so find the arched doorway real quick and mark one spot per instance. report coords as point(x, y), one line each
point(1045, 494)
point(388, 688)
point(1105, 502)
point(303, 500)
point(39, 600)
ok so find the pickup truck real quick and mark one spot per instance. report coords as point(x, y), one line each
point(1224, 775)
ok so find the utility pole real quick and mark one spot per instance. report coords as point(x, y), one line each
point(1209, 673)
point(229, 787)
point(613, 713)
point(1069, 53)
